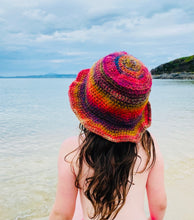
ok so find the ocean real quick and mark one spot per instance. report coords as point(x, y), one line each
point(35, 118)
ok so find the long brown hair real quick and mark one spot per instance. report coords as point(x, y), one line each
point(113, 166)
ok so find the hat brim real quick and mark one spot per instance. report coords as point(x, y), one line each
point(99, 125)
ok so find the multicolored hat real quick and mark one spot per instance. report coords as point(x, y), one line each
point(111, 98)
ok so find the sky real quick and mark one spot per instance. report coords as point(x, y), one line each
point(60, 36)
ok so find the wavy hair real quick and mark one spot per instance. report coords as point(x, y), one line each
point(113, 166)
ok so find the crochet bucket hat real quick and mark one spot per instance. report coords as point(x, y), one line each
point(111, 98)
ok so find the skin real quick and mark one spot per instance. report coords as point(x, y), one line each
point(151, 181)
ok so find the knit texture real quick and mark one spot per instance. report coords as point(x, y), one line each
point(111, 98)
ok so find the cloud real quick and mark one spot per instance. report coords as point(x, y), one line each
point(170, 31)
point(126, 28)
point(77, 35)
point(58, 61)
point(62, 33)
point(39, 15)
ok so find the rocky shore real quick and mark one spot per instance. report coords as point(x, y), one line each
point(181, 68)
point(182, 75)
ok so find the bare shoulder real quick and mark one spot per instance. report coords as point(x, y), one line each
point(157, 148)
point(69, 145)
point(159, 162)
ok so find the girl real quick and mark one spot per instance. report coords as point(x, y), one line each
point(115, 160)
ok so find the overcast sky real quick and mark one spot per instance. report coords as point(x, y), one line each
point(60, 36)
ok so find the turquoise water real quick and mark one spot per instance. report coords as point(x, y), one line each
point(35, 118)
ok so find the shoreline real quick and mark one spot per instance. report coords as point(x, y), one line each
point(181, 75)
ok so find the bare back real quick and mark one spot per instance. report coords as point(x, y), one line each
point(134, 206)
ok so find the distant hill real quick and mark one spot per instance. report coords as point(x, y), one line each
point(178, 68)
point(49, 75)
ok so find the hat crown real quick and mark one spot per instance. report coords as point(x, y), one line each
point(121, 76)
point(123, 71)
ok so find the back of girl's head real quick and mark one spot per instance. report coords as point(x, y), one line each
point(111, 98)
point(111, 101)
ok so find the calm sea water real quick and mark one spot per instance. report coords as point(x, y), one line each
point(35, 118)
